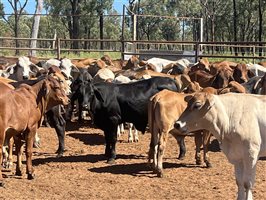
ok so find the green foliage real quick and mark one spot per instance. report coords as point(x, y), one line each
point(217, 16)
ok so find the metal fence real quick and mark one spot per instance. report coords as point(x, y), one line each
point(145, 49)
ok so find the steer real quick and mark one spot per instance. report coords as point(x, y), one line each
point(21, 111)
point(163, 109)
point(238, 122)
point(112, 104)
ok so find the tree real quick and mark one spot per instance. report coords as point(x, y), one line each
point(260, 25)
point(18, 9)
point(235, 24)
point(73, 10)
point(35, 27)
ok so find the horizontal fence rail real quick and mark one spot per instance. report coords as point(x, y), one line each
point(144, 48)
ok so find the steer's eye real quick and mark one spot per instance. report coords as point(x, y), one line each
point(197, 105)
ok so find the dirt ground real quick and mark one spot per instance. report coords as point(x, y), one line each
point(84, 174)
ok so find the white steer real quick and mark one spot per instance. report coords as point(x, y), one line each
point(238, 121)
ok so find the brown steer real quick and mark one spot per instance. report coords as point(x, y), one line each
point(163, 109)
point(21, 111)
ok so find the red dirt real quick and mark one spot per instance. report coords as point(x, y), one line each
point(84, 174)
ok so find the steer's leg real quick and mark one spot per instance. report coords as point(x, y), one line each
point(154, 145)
point(57, 121)
point(10, 153)
point(239, 170)
point(19, 152)
point(2, 132)
point(111, 139)
point(29, 145)
point(136, 134)
point(198, 143)
point(182, 146)
point(130, 135)
point(161, 149)
point(249, 174)
point(206, 142)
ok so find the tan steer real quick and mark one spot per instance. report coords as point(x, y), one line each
point(238, 121)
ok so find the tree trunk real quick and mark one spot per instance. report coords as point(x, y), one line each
point(260, 26)
point(16, 27)
point(35, 27)
point(75, 17)
point(101, 28)
point(235, 24)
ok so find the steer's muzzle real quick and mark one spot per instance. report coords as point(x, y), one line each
point(65, 100)
point(86, 106)
point(180, 126)
point(25, 77)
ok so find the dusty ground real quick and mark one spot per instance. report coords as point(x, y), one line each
point(83, 173)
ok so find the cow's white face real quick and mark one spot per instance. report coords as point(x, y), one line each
point(24, 67)
point(67, 67)
point(51, 62)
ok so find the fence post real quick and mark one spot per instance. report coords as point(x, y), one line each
point(122, 35)
point(58, 50)
point(254, 52)
point(196, 52)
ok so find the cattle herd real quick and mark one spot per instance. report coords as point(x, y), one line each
point(156, 95)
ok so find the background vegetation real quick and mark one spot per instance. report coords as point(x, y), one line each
point(232, 20)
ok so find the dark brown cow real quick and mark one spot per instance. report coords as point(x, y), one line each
point(262, 63)
point(241, 73)
point(21, 111)
point(83, 63)
point(132, 63)
point(263, 85)
point(202, 77)
point(182, 80)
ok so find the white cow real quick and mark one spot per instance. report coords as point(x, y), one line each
point(104, 75)
point(257, 69)
point(160, 63)
point(65, 65)
point(23, 69)
point(238, 121)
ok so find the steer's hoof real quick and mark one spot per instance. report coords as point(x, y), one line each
point(59, 154)
point(31, 176)
point(111, 161)
point(37, 145)
point(181, 157)
point(208, 165)
point(160, 174)
point(18, 173)
point(198, 162)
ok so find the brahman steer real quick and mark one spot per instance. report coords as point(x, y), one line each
point(30, 102)
point(238, 122)
point(163, 109)
point(112, 104)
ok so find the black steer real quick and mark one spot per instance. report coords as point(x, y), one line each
point(112, 104)
point(77, 89)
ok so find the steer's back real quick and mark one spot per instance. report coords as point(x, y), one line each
point(247, 117)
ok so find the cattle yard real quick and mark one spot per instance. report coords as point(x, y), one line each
point(83, 173)
point(74, 92)
point(193, 50)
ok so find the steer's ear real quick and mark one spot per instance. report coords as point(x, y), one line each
point(209, 100)
point(45, 87)
point(187, 98)
point(98, 95)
